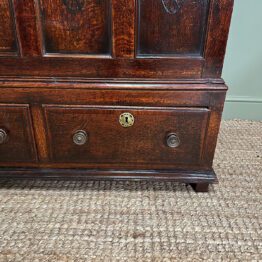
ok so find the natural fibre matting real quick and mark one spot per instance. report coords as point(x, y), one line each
point(142, 221)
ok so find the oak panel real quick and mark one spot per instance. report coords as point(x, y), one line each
point(76, 26)
point(8, 43)
point(171, 27)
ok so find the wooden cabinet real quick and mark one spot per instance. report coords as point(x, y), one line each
point(80, 64)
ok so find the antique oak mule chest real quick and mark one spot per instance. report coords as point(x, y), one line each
point(112, 89)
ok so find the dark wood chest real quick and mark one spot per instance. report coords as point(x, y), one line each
point(112, 89)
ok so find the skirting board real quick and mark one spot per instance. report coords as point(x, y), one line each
point(243, 107)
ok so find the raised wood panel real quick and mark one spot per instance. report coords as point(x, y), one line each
point(8, 43)
point(76, 26)
point(171, 27)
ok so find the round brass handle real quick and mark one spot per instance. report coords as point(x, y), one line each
point(80, 137)
point(173, 140)
point(3, 136)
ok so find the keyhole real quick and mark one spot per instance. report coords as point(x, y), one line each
point(126, 120)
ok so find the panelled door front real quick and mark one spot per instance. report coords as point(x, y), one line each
point(112, 38)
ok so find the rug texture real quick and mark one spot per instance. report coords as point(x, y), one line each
point(142, 221)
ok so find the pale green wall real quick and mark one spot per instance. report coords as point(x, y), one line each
point(243, 62)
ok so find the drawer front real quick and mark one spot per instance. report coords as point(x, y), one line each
point(16, 136)
point(130, 135)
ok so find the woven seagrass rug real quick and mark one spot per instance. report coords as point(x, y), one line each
point(142, 221)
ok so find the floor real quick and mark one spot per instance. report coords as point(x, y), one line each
point(142, 221)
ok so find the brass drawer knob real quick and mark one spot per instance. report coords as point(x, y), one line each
point(80, 137)
point(3, 136)
point(172, 140)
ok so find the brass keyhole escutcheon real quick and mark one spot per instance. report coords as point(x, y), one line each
point(126, 120)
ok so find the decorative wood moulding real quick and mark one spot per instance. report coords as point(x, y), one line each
point(172, 6)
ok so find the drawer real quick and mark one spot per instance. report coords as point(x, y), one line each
point(133, 135)
point(16, 136)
